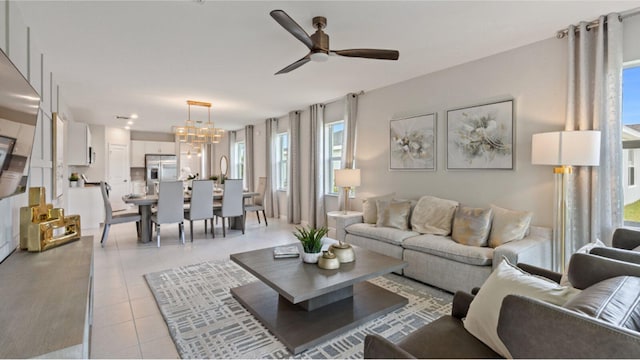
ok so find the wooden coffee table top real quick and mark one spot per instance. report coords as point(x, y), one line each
point(297, 281)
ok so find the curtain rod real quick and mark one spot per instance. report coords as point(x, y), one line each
point(595, 23)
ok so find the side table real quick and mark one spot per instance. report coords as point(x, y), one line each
point(337, 220)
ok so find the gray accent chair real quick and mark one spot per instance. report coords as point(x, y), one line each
point(111, 217)
point(624, 242)
point(232, 203)
point(200, 206)
point(258, 201)
point(534, 329)
point(170, 207)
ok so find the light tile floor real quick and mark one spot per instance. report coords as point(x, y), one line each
point(127, 322)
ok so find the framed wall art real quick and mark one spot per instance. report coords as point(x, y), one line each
point(412, 143)
point(481, 137)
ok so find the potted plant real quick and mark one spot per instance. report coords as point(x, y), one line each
point(73, 179)
point(311, 240)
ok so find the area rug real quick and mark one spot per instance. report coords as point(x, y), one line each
point(205, 321)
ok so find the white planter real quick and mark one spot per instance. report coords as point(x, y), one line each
point(311, 258)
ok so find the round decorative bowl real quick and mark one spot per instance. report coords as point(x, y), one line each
point(344, 252)
point(328, 261)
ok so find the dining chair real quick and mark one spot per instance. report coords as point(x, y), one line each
point(200, 208)
point(111, 217)
point(258, 201)
point(232, 203)
point(170, 207)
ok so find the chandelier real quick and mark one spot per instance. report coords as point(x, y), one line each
point(198, 133)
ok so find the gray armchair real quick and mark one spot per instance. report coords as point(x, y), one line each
point(534, 329)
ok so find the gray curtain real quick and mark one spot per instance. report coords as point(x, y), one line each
point(316, 166)
point(271, 205)
point(232, 155)
point(248, 157)
point(595, 199)
point(294, 202)
point(349, 139)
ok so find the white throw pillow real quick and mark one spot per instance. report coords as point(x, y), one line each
point(506, 279)
point(370, 209)
point(433, 215)
point(564, 281)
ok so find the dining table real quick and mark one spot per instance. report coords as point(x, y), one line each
point(145, 203)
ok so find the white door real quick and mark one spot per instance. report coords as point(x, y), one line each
point(118, 175)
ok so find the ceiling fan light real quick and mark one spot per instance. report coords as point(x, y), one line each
point(319, 56)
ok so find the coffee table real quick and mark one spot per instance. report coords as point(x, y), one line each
point(303, 305)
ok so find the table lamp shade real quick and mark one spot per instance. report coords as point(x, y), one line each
point(347, 177)
point(576, 148)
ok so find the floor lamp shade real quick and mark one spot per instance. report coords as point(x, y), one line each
point(564, 149)
point(574, 148)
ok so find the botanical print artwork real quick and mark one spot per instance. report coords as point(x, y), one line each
point(480, 137)
point(412, 143)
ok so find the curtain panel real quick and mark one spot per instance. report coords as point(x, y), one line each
point(349, 138)
point(271, 205)
point(232, 155)
point(316, 166)
point(248, 157)
point(595, 198)
point(294, 201)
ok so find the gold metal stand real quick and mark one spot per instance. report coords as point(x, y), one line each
point(563, 172)
point(43, 227)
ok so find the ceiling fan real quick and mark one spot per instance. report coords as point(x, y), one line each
point(318, 43)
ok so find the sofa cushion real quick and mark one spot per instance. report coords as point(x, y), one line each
point(433, 215)
point(370, 208)
point(615, 301)
point(471, 226)
point(386, 234)
point(445, 247)
point(393, 214)
point(508, 225)
point(506, 279)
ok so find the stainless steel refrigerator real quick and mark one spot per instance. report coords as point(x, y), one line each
point(159, 168)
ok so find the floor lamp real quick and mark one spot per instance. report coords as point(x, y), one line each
point(564, 149)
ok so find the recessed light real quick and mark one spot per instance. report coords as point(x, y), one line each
point(127, 127)
point(134, 116)
point(129, 122)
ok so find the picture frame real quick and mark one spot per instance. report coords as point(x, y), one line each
point(481, 137)
point(6, 151)
point(412, 143)
point(59, 181)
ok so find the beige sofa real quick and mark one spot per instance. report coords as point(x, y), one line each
point(440, 261)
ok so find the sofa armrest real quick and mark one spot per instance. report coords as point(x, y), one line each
point(533, 249)
point(377, 347)
point(627, 239)
point(342, 222)
point(617, 254)
point(534, 329)
point(551, 275)
point(461, 303)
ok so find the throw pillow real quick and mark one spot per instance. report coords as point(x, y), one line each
point(370, 208)
point(433, 216)
point(506, 279)
point(471, 226)
point(636, 249)
point(393, 214)
point(564, 281)
point(508, 225)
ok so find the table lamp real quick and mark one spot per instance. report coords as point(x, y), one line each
point(346, 179)
point(564, 149)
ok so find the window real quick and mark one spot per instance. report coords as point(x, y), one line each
point(333, 154)
point(631, 142)
point(239, 161)
point(283, 161)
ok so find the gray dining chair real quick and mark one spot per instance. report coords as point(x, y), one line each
point(200, 208)
point(258, 201)
point(111, 217)
point(232, 203)
point(170, 207)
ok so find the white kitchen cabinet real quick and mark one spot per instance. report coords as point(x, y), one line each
point(79, 144)
point(137, 153)
point(86, 202)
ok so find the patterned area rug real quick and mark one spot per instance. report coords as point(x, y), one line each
point(205, 321)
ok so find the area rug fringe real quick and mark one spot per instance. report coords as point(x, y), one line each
point(205, 321)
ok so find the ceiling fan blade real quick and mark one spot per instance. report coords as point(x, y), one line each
point(369, 53)
point(291, 26)
point(295, 65)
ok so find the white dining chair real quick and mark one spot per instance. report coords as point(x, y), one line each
point(258, 201)
point(111, 217)
point(170, 207)
point(200, 208)
point(232, 203)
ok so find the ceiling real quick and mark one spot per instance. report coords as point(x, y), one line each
point(116, 58)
